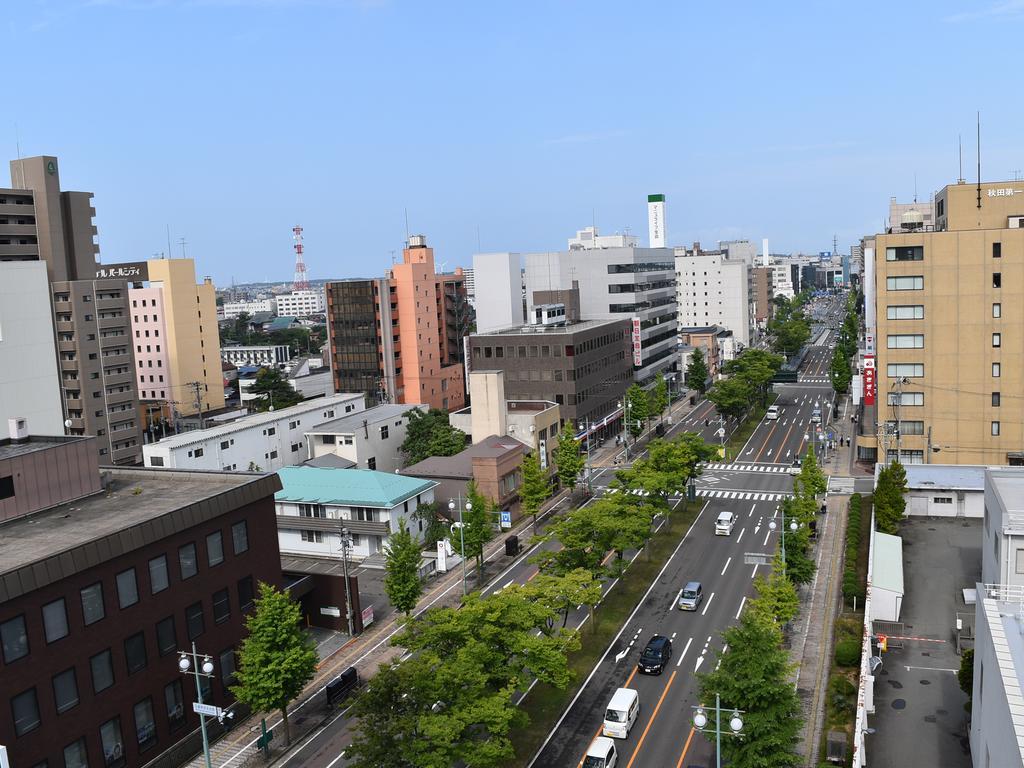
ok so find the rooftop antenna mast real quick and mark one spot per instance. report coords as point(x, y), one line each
point(960, 141)
point(406, 227)
point(300, 282)
point(979, 160)
point(915, 187)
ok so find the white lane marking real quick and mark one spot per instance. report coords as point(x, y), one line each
point(766, 537)
point(681, 655)
point(676, 601)
point(740, 537)
point(726, 566)
point(742, 603)
point(331, 764)
point(753, 573)
point(673, 636)
point(708, 604)
point(751, 512)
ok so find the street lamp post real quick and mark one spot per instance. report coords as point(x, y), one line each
point(625, 424)
point(462, 537)
point(792, 526)
point(196, 662)
point(700, 722)
point(346, 542)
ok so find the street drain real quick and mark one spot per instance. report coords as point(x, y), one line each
point(899, 704)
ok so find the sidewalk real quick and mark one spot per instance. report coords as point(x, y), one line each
point(611, 455)
point(366, 652)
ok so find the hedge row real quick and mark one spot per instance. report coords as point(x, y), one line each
point(852, 586)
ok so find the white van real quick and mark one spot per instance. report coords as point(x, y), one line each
point(621, 713)
point(773, 413)
point(601, 754)
point(816, 416)
point(724, 524)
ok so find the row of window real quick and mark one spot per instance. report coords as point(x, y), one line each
point(916, 282)
point(14, 644)
point(916, 252)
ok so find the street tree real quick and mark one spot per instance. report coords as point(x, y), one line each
point(435, 525)
point(840, 372)
point(811, 475)
point(731, 397)
point(402, 570)
point(621, 522)
point(757, 368)
point(776, 594)
point(429, 434)
point(277, 657)
point(478, 530)
point(564, 593)
point(753, 676)
point(534, 488)
point(658, 397)
point(569, 460)
point(889, 499)
point(577, 546)
point(697, 371)
point(272, 389)
point(791, 335)
point(636, 410)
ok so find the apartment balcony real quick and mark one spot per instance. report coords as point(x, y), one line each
point(77, 424)
point(115, 398)
point(295, 522)
point(71, 384)
point(25, 230)
point(10, 251)
point(74, 403)
point(109, 323)
point(112, 379)
point(67, 346)
point(11, 209)
point(69, 365)
point(121, 358)
point(65, 326)
point(125, 455)
point(107, 304)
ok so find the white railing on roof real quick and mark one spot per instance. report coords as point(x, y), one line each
point(1006, 593)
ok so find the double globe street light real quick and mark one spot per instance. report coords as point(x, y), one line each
point(701, 723)
point(462, 537)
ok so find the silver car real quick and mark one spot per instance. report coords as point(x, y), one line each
point(690, 597)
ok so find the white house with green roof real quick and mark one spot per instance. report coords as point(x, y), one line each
point(315, 503)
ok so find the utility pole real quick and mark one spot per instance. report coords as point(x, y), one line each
point(346, 542)
point(197, 387)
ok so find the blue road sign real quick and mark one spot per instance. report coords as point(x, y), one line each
point(506, 518)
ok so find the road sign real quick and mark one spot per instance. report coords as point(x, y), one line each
point(756, 558)
point(206, 709)
point(506, 518)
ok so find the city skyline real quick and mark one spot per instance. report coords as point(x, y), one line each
point(500, 127)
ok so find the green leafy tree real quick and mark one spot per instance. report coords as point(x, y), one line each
point(754, 677)
point(478, 528)
point(731, 397)
point(534, 488)
point(965, 675)
point(658, 397)
point(636, 410)
point(564, 593)
point(272, 389)
point(277, 657)
point(756, 368)
point(890, 502)
point(577, 546)
point(568, 458)
point(697, 373)
point(840, 372)
point(435, 525)
point(429, 434)
point(791, 335)
point(402, 570)
point(813, 479)
point(668, 467)
point(776, 595)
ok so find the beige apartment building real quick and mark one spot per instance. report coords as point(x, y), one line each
point(949, 309)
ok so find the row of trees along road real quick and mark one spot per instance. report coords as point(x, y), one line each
point(644, 405)
point(747, 384)
point(841, 370)
point(789, 327)
point(754, 673)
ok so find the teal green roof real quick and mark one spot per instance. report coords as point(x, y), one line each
point(280, 323)
point(349, 487)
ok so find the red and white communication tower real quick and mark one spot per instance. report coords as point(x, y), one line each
point(300, 282)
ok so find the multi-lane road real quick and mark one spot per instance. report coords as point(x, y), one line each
point(752, 487)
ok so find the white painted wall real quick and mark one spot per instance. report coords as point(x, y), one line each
point(993, 736)
point(944, 503)
point(498, 299)
point(29, 379)
point(723, 285)
point(360, 445)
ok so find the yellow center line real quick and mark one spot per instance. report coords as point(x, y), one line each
point(686, 748)
point(601, 727)
point(765, 444)
point(654, 714)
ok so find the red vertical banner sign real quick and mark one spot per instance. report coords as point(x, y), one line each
point(638, 356)
point(869, 380)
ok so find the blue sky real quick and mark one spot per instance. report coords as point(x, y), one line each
point(233, 120)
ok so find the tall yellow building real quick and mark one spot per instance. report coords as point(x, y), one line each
point(949, 341)
point(177, 344)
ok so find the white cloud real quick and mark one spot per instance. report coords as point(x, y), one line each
point(1007, 9)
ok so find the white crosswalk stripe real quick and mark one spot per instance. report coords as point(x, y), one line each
point(737, 467)
point(713, 494)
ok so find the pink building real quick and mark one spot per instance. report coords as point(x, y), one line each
point(150, 341)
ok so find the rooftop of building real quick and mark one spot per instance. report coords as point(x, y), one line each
point(550, 330)
point(331, 461)
point(282, 323)
point(887, 569)
point(699, 330)
point(1008, 485)
point(352, 422)
point(953, 477)
point(10, 448)
point(1004, 607)
point(257, 420)
point(136, 507)
point(461, 464)
point(349, 487)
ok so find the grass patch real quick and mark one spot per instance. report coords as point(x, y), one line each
point(743, 432)
point(545, 704)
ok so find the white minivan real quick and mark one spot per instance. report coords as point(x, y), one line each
point(773, 413)
point(621, 712)
point(601, 754)
point(724, 524)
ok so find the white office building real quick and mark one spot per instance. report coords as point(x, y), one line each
point(263, 356)
point(232, 309)
point(370, 439)
point(616, 280)
point(712, 289)
point(301, 303)
point(1002, 550)
point(782, 279)
point(263, 442)
point(315, 503)
point(499, 295)
point(29, 380)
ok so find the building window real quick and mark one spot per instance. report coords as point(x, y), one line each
point(156, 461)
point(135, 653)
point(166, 637)
point(227, 667)
point(110, 740)
point(996, 370)
point(942, 500)
point(997, 310)
point(75, 756)
point(127, 589)
point(25, 708)
point(905, 341)
point(194, 620)
point(295, 447)
point(215, 548)
point(997, 250)
point(900, 370)
point(995, 399)
point(905, 253)
point(384, 429)
point(221, 607)
point(997, 280)
point(997, 340)
point(312, 510)
point(92, 603)
point(905, 312)
point(995, 429)
point(245, 593)
point(65, 690)
point(224, 445)
point(158, 577)
point(906, 398)
point(55, 620)
point(313, 537)
point(102, 668)
point(187, 561)
point(240, 537)
point(175, 704)
point(908, 283)
point(371, 463)
point(145, 726)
